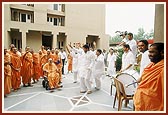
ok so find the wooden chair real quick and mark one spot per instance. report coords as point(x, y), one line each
point(120, 94)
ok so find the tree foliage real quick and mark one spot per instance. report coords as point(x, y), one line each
point(139, 36)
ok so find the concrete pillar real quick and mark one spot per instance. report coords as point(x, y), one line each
point(159, 23)
point(54, 44)
point(23, 39)
point(7, 39)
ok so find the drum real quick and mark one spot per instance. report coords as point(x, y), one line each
point(129, 81)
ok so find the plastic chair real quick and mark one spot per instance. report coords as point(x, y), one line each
point(120, 94)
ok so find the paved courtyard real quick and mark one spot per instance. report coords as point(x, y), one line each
point(67, 99)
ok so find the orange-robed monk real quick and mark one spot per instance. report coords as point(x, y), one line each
point(40, 62)
point(70, 58)
point(51, 72)
point(16, 67)
point(36, 66)
point(150, 92)
point(7, 73)
point(27, 67)
point(45, 57)
point(58, 62)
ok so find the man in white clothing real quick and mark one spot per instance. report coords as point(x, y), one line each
point(143, 48)
point(105, 54)
point(128, 60)
point(124, 39)
point(75, 52)
point(111, 70)
point(98, 68)
point(132, 43)
point(84, 69)
point(64, 58)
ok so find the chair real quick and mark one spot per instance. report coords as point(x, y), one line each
point(120, 94)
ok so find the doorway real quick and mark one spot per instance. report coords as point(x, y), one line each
point(47, 41)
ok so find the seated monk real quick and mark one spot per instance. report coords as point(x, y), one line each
point(52, 74)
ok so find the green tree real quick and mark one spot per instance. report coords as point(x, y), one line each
point(119, 59)
point(115, 39)
point(141, 34)
point(149, 35)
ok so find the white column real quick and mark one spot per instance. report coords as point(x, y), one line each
point(6, 41)
point(54, 44)
point(23, 39)
point(159, 23)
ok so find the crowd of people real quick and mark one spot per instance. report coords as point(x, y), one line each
point(88, 64)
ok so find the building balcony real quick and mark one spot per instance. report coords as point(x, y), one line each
point(26, 7)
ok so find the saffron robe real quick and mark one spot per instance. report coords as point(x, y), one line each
point(149, 95)
point(52, 75)
point(27, 68)
point(16, 67)
point(7, 74)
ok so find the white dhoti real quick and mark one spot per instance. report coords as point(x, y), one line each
point(97, 77)
point(85, 76)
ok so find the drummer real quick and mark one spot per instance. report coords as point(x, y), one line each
point(127, 59)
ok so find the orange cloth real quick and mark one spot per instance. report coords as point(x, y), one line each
point(41, 69)
point(70, 62)
point(44, 59)
point(150, 92)
point(36, 67)
point(59, 66)
point(16, 67)
point(10, 52)
point(7, 74)
point(27, 68)
point(52, 74)
point(44, 51)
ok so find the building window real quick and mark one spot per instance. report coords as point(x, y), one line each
point(59, 7)
point(28, 16)
point(62, 21)
point(62, 44)
point(55, 6)
point(55, 21)
point(15, 16)
point(23, 17)
point(48, 19)
point(32, 18)
point(32, 5)
point(17, 43)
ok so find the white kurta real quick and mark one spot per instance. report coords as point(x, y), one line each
point(98, 70)
point(86, 61)
point(75, 54)
point(99, 67)
point(144, 61)
point(124, 40)
point(133, 46)
point(127, 59)
point(111, 70)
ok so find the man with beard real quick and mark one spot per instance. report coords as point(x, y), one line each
point(84, 69)
point(143, 48)
point(150, 92)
